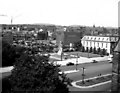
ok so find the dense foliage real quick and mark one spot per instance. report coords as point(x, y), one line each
point(10, 53)
point(77, 45)
point(35, 74)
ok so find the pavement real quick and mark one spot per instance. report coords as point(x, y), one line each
point(75, 75)
point(6, 69)
point(82, 60)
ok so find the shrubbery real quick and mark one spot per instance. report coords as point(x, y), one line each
point(34, 73)
point(8, 54)
point(31, 73)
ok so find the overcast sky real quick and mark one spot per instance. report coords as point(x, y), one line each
point(60, 12)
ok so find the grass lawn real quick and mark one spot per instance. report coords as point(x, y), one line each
point(95, 81)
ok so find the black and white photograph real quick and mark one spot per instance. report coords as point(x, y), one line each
point(59, 46)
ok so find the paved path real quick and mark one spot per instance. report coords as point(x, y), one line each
point(6, 69)
point(82, 60)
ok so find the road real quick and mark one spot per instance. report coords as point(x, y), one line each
point(92, 70)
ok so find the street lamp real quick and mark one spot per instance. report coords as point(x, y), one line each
point(83, 76)
point(76, 61)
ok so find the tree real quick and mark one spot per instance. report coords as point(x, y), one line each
point(94, 50)
point(98, 50)
point(36, 74)
point(77, 45)
point(91, 49)
point(8, 54)
point(82, 49)
point(104, 52)
point(105, 30)
point(87, 50)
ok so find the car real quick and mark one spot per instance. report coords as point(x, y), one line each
point(94, 61)
point(110, 62)
point(70, 64)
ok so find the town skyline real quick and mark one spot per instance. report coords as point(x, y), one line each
point(79, 12)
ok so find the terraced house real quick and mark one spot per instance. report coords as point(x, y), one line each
point(103, 42)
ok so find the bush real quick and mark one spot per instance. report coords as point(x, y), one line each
point(6, 86)
point(8, 54)
point(70, 64)
point(94, 50)
point(91, 49)
point(82, 49)
point(102, 55)
point(35, 73)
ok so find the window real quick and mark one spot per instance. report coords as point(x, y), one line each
point(102, 44)
point(87, 43)
point(83, 42)
point(106, 45)
point(90, 44)
point(103, 39)
point(98, 44)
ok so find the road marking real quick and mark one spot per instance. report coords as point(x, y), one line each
point(70, 71)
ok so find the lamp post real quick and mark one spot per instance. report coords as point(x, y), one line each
point(76, 61)
point(83, 76)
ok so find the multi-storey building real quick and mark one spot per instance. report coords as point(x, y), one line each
point(103, 42)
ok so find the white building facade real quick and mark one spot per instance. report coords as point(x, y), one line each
point(102, 42)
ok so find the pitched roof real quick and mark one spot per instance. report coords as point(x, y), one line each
point(117, 48)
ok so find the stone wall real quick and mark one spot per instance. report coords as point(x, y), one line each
point(116, 72)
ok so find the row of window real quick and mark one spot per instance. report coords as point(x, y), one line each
point(98, 44)
point(94, 38)
point(102, 38)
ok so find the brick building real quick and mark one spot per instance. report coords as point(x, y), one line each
point(68, 38)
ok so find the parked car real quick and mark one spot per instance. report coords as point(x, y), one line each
point(94, 61)
point(70, 64)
